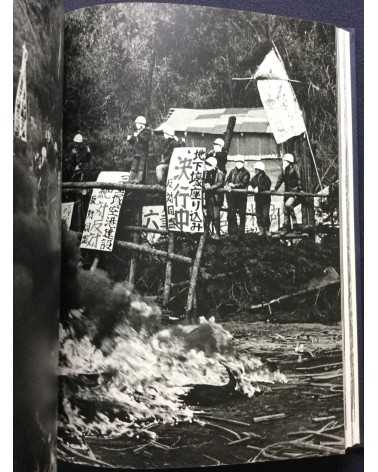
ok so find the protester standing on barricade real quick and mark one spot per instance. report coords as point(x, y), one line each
point(238, 178)
point(213, 180)
point(261, 183)
point(78, 167)
point(139, 141)
point(290, 176)
point(77, 161)
point(170, 143)
point(219, 153)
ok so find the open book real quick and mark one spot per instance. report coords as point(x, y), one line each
point(184, 237)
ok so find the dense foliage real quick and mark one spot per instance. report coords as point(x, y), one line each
point(126, 60)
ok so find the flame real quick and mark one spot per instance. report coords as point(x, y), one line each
point(150, 373)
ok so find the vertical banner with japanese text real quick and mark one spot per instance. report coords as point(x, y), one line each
point(103, 213)
point(184, 190)
point(278, 98)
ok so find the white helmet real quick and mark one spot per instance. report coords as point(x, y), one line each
point(78, 138)
point(260, 166)
point(141, 120)
point(219, 141)
point(288, 158)
point(212, 161)
point(166, 129)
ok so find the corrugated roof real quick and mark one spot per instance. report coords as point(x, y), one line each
point(214, 121)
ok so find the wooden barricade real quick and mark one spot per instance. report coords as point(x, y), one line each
point(169, 256)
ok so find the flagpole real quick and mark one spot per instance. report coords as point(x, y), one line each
point(313, 159)
point(306, 132)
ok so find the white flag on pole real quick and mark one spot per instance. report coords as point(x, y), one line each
point(21, 105)
point(278, 98)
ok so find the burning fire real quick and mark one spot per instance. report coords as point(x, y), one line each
point(144, 377)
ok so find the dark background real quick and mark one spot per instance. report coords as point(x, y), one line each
point(347, 14)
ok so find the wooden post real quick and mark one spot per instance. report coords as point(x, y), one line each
point(168, 270)
point(194, 274)
point(136, 238)
point(229, 133)
point(95, 262)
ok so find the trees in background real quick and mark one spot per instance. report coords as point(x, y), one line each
point(126, 60)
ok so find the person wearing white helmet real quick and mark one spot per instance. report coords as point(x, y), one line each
point(78, 138)
point(219, 153)
point(238, 178)
point(170, 143)
point(213, 180)
point(76, 163)
point(261, 183)
point(290, 177)
point(140, 144)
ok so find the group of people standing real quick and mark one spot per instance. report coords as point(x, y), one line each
point(236, 184)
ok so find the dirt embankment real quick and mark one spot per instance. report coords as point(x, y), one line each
point(255, 271)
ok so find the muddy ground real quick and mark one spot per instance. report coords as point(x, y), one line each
point(309, 355)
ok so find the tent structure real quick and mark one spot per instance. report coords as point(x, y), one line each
point(252, 139)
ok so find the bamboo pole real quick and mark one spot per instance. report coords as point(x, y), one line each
point(194, 274)
point(95, 262)
point(292, 295)
point(154, 252)
point(136, 239)
point(160, 189)
point(168, 270)
point(113, 186)
point(142, 229)
point(148, 250)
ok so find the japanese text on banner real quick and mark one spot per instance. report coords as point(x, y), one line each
point(153, 217)
point(279, 100)
point(184, 190)
point(103, 213)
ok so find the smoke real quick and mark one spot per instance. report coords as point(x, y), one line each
point(36, 299)
point(100, 305)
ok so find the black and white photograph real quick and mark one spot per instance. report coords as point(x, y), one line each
point(202, 315)
point(37, 143)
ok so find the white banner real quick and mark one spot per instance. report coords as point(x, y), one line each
point(153, 217)
point(278, 98)
point(184, 190)
point(103, 213)
point(67, 212)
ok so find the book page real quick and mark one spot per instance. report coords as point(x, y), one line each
point(201, 306)
point(37, 93)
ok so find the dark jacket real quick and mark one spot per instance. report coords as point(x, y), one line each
point(238, 177)
point(216, 180)
point(221, 158)
point(263, 183)
point(140, 142)
point(77, 162)
point(291, 178)
point(169, 145)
